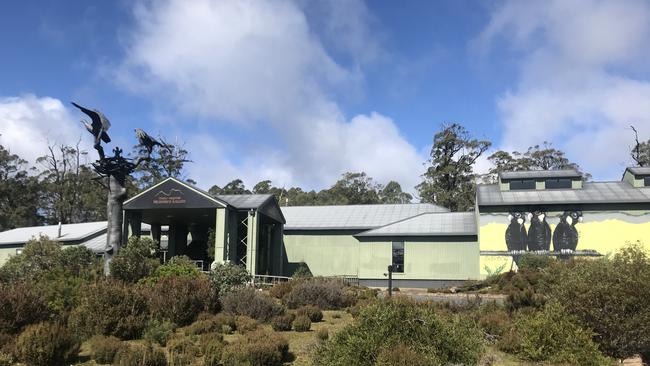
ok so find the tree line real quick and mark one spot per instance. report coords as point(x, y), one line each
point(61, 186)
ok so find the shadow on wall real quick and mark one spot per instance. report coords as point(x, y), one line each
point(294, 269)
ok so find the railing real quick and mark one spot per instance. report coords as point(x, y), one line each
point(266, 280)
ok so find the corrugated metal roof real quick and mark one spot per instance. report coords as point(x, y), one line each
point(639, 170)
point(352, 216)
point(96, 244)
point(591, 192)
point(245, 201)
point(541, 174)
point(429, 224)
point(69, 232)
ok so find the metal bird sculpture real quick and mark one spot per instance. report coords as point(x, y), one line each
point(98, 128)
point(147, 141)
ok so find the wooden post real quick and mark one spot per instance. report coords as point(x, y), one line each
point(116, 197)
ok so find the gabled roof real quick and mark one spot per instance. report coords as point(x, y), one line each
point(69, 233)
point(429, 224)
point(639, 170)
point(540, 174)
point(591, 192)
point(352, 217)
point(171, 186)
point(245, 201)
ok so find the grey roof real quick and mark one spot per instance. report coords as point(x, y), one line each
point(639, 170)
point(245, 201)
point(591, 192)
point(541, 174)
point(429, 224)
point(97, 244)
point(352, 216)
point(69, 232)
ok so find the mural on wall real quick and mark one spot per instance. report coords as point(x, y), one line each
point(505, 237)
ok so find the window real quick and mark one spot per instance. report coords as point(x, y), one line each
point(558, 183)
point(398, 256)
point(19, 251)
point(522, 184)
point(646, 181)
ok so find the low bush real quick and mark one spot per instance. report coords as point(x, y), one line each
point(158, 331)
point(8, 343)
point(245, 324)
point(388, 324)
point(111, 307)
point(212, 352)
point(312, 312)
point(6, 359)
point(325, 293)
point(281, 289)
point(140, 355)
point(182, 351)
point(226, 277)
point(554, 336)
point(256, 349)
point(252, 303)
point(301, 323)
point(609, 296)
point(180, 299)
point(204, 326)
point(103, 349)
point(322, 334)
point(402, 355)
point(179, 266)
point(494, 321)
point(135, 261)
point(46, 344)
point(302, 271)
point(534, 262)
point(282, 323)
point(21, 304)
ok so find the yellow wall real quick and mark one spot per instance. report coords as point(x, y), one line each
point(6, 253)
point(604, 232)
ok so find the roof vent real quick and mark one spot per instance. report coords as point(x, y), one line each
point(637, 176)
point(58, 235)
point(540, 179)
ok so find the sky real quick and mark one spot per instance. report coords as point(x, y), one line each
point(300, 91)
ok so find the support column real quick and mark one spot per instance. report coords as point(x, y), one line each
point(221, 236)
point(135, 223)
point(251, 253)
point(155, 233)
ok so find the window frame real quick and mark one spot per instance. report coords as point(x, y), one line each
point(522, 184)
point(646, 182)
point(560, 183)
point(397, 267)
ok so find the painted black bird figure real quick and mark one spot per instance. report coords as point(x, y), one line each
point(98, 127)
point(516, 232)
point(565, 236)
point(147, 141)
point(539, 232)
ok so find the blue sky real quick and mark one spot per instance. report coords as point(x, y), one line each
point(301, 91)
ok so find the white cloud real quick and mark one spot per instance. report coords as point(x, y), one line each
point(28, 124)
point(261, 64)
point(578, 84)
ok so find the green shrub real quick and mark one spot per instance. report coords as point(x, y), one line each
point(46, 344)
point(182, 351)
point(20, 305)
point(8, 343)
point(301, 323)
point(179, 266)
point(245, 324)
point(534, 262)
point(252, 303)
point(103, 349)
point(609, 296)
point(553, 335)
point(140, 355)
point(302, 271)
point(387, 324)
point(494, 321)
point(212, 352)
point(256, 349)
point(6, 359)
point(181, 299)
point(281, 289)
point(226, 277)
point(111, 307)
point(401, 355)
point(322, 334)
point(282, 323)
point(135, 261)
point(325, 293)
point(312, 312)
point(204, 326)
point(158, 331)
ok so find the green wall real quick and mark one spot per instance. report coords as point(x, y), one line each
point(335, 255)
point(326, 255)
